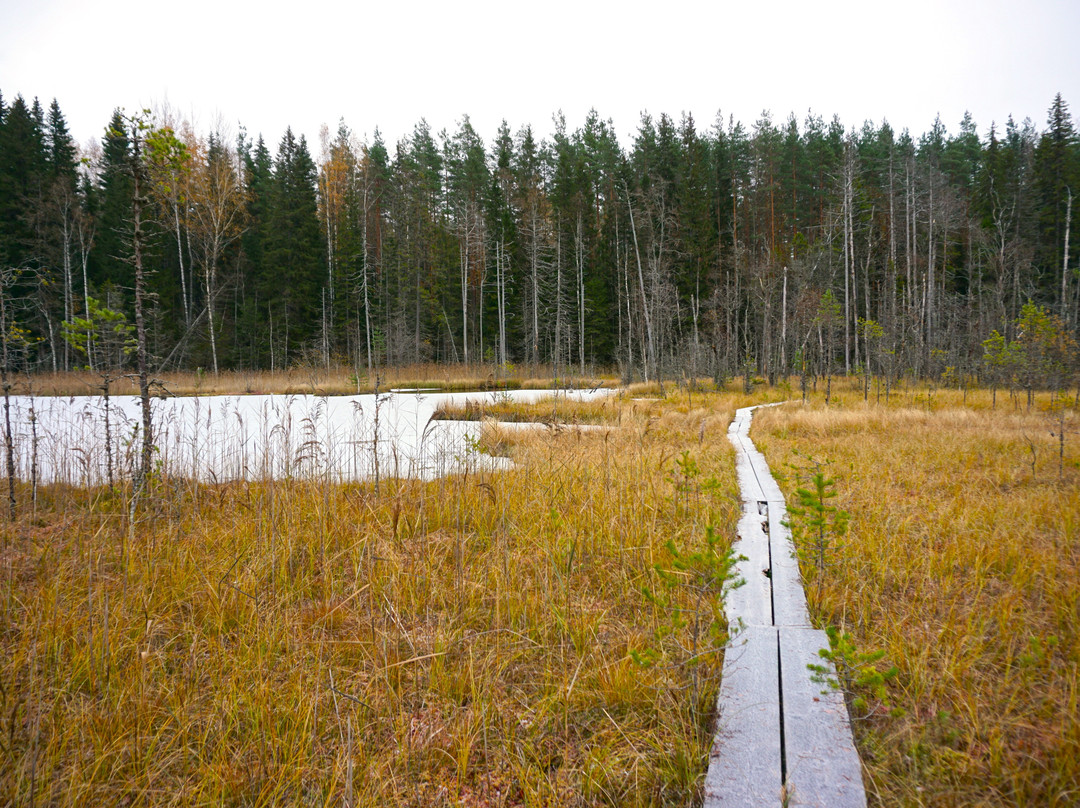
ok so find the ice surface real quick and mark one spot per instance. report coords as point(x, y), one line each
point(259, 436)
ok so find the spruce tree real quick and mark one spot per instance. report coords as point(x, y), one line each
point(293, 252)
point(110, 266)
point(1056, 178)
point(61, 148)
point(22, 173)
point(253, 349)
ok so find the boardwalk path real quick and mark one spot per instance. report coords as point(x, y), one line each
point(778, 736)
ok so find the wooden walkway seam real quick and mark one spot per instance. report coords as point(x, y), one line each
point(780, 740)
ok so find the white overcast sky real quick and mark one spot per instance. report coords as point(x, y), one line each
point(268, 65)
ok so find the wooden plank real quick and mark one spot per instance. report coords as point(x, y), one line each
point(763, 473)
point(744, 768)
point(749, 488)
point(788, 596)
point(739, 434)
point(823, 766)
point(751, 603)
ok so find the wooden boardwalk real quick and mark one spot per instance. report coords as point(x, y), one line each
point(779, 740)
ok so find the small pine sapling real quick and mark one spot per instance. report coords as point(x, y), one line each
point(689, 600)
point(690, 487)
point(816, 526)
point(856, 674)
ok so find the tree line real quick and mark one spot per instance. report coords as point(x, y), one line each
point(785, 247)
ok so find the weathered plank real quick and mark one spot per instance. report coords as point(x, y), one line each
point(788, 596)
point(756, 481)
point(739, 434)
point(750, 604)
point(744, 768)
point(823, 766)
point(769, 488)
point(749, 488)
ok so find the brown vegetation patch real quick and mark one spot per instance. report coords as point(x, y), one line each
point(962, 563)
point(462, 641)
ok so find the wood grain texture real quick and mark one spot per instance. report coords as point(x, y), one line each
point(744, 768)
point(823, 766)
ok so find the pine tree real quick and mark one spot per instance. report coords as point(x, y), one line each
point(110, 266)
point(253, 347)
point(1057, 162)
point(293, 262)
point(23, 169)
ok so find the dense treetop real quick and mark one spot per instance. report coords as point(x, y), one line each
point(775, 247)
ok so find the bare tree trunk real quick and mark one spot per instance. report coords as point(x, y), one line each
point(500, 284)
point(644, 298)
point(890, 278)
point(849, 257)
point(211, 280)
point(866, 276)
point(557, 350)
point(695, 305)
point(930, 277)
point(180, 259)
point(580, 255)
point(535, 266)
point(854, 288)
point(783, 326)
point(5, 382)
point(628, 298)
point(86, 238)
point(69, 285)
point(1065, 261)
point(463, 254)
point(331, 260)
point(138, 200)
point(909, 243)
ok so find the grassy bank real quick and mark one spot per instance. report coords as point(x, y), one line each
point(962, 564)
point(318, 381)
point(466, 641)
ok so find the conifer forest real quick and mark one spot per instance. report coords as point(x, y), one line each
point(782, 246)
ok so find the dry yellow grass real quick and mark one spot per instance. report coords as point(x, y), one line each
point(962, 563)
point(555, 410)
point(464, 641)
point(315, 380)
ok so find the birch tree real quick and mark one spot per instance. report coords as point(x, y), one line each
point(216, 204)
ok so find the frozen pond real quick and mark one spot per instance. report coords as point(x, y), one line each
point(256, 437)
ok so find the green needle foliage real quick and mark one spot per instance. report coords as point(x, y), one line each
point(690, 596)
point(691, 629)
point(817, 526)
point(857, 675)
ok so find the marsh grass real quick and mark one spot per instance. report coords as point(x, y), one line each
point(336, 380)
point(462, 641)
point(961, 563)
point(556, 410)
